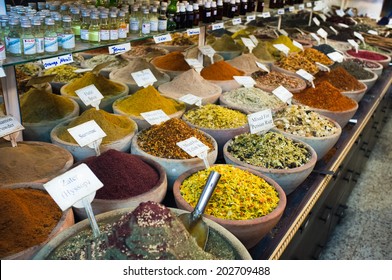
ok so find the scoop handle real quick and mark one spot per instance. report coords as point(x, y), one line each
point(212, 181)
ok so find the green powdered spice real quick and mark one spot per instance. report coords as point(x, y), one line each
point(64, 73)
point(266, 52)
point(225, 43)
point(38, 105)
point(216, 117)
point(271, 150)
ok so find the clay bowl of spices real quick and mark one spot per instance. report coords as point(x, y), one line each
point(173, 64)
point(285, 160)
point(356, 94)
point(167, 238)
point(220, 122)
point(270, 81)
point(221, 73)
point(119, 132)
point(262, 200)
point(159, 143)
point(30, 218)
point(373, 66)
point(127, 181)
point(300, 122)
point(381, 58)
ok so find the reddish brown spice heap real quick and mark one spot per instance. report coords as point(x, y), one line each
point(123, 175)
point(340, 79)
point(325, 96)
point(174, 61)
point(220, 71)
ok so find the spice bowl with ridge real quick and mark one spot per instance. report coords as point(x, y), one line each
point(245, 202)
point(285, 160)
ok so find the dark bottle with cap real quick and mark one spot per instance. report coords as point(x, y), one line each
point(219, 10)
point(196, 12)
point(207, 12)
point(190, 16)
point(237, 7)
point(226, 5)
point(214, 11)
point(232, 9)
point(243, 7)
point(260, 6)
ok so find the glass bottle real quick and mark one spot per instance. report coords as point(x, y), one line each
point(113, 27)
point(201, 10)
point(27, 39)
point(76, 22)
point(50, 37)
point(243, 7)
point(251, 6)
point(214, 11)
point(39, 36)
point(260, 6)
point(232, 9)
point(181, 16)
point(13, 45)
point(146, 26)
point(219, 10)
point(68, 34)
point(59, 28)
point(154, 20)
point(134, 21)
point(104, 30)
point(122, 27)
point(162, 20)
point(190, 16)
point(94, 29)
point(84, 26)
point(171, 13)
point(237, 7)
point(196, 15)
point(226, 6)
point(126, 17)
point(207, 12)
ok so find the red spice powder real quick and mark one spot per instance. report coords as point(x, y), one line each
point(123, 175)
point(367, 55)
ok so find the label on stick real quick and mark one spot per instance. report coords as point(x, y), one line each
point(155, 117)
point(193, 146)
point(260, 121)
point(9, 125)
point(86, 133)
point(89, 94)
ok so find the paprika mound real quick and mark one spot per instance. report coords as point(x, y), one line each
point(220, 71)
point(341, 79)
point(174, 61)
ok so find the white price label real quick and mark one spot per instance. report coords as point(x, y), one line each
point(73, 186)
point(254, 39)
point(266, 14)
point(89, 95)
point(155, 117)
point(359, 36)
point(57, 61)
point(316, 21)
point(298, 45)
point(250, 18)
point(193, 31)
point(9, 125)
point(207, 50)
point(236, 21)
point(343, 25)
point(301, 7)
point(262, 67)
point(323, 67)
point(119, 48)
point(193, 146)
point(260, 121)
point(217, 26)
point(248, 43)
point(246, 81)
point(317, 38)
point(280, 11)
point(340, 13)
point(86, 133)
point(283, 48)
point(162, 38)
point(309, 5)
point(323, 17)
point(306, 75)
point(373, 32)
point(194, 63)
point(322, 33)
point(353, 43)
point(2, 73)
point(283, 32)
point(334, 30)
point(144, 78)
point(191, 99)
point(283, 94)
point(291, 9)
point(336, 56)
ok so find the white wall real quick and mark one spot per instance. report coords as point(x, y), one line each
point(370, 7)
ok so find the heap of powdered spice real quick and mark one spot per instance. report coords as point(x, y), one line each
point(325, 96)
point(174, 61)
point(220, 71)
point(123, 175)
point(245, 62)
point(340, 79)
point(161, 140)
point(367, 55)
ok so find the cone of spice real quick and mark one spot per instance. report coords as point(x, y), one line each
point(220, 71)
point(174, 61)
point(340, 79)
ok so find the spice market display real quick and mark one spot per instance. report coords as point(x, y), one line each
point(203, 103)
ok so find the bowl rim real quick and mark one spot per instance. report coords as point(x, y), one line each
point(312, 160)
point(273, 214)
point(358, 91)
point(379, 66)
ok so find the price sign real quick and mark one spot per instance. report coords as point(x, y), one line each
point(298, 45)
point(283, 32)
point(322, 33)
point(262, 67)
point(323, 67)
point(260, 121)
point(191, 99)
point(155, 117)
point(283, 48)
point(280, 11)
point(309, 5)
point(86, 133)
point(57, 61)
point(119, 48)
point(291, 9)
point(334, 30)
point(193, 31)
point(90, 95)
point(340, 13)
point(9, 125)
point(316, 21)
point(236, 21)
point(194, 63)
point(254, 39)
point(323, 17)
point(359, 36)
point(354, 44)
point(336, 56)
point(306, 75)
point(301, 7)
point(248, 43)
point(144, 78)
point(193, 146)
point(373, 32)
point(162, 38)
point(250, 18)
point(317, 38)
point(246, 81)
point(207, 50)
point(283, 94)
point(266, 14)
point(217, 26)
point(343, 25)
point(72, 186)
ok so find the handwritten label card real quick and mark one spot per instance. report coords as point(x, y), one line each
point(266, 14)
point(317, 38)
point(283, 94)
point(280, 11)
point(162, 38)
point(323, 67)
point(340, 13)
point(246, 81)
point(301, 7)
point(254, 39)
point(251, 17)
point(207, 50)
point(144, 78)
point(73, 186)
point(86, 133)
point(360, 37)
point(194, 63)
point(191, 99)
point(283, 48)
point(354, 44)
point(193, 146)
point(306, 75)
point(343, 25)
point(9, 125)
point(248, 43)
point(291, 9)
point(373, 32)
point(334, 30)
point(119, 48)
point(316, 21)
point(298, 45)
point(260, 121)
point(323, 34)
point(89, 95)
point(57, 61)
point(155, 117)
point(236, 21)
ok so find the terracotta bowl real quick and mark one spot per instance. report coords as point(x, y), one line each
point(384, 62)
point(106, 102)
point(249, 232)
point(156, 194)
point(356, 94)
point(219, 235)
point(175, 167)
point(41, 131)
point(321, 145)
point(141, 122)
point(341, 117)
point(288, 179)
point(67, 220)
point(80, 153)
point(370, 82)
point(377, 69)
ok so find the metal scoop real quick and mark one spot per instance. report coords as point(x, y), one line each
point(193, 221)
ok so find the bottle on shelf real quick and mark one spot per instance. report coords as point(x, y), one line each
point(122, 27)
point(84, 26)
point(181, 16)
point(154, 20)
point(171, 13)
point(38, 36)
point(232, 9)
point(201, 9)
point(190, 16)
point(214, 11)
point(243, 7)
point(59, 28)
point(146, 26)
point(162, 20)
point(104, 29)
point(251, 6)
point(68, 37)
point(226, 6)
point(27, 39)
point(94, 29)
point(260, 6)
point(196, 13)
point(76, 22)
point(50, 37)
point(207, 12)
point(12, 39)
point(134, 21)
point(237, 7)
point(126, 17)
point(113, 27)
point(219, 10)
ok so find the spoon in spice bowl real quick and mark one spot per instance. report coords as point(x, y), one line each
point(193, 221)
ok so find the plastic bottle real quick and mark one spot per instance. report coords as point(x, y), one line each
point(68, 34)
point(50, 37)
point(134, 21)
point(122, 27)
point(146, 26)
point(84, 26)
point(13, 44)
point(94, 29)
point(154, 20)
point(104, 29)
point(162, 20)
point(39, 36)
point(113, 27)
point(76, 22)
point(27, 40)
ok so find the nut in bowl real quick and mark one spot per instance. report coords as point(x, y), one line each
point(245, 202)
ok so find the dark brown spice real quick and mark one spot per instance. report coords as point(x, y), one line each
point(340, 79)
